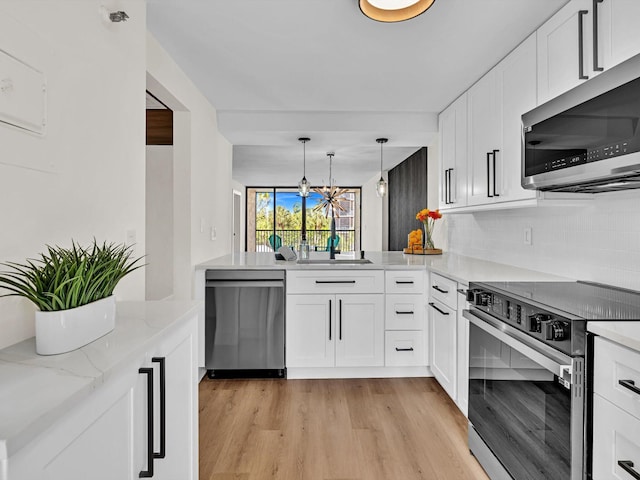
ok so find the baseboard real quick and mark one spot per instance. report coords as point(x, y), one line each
point(357, 372)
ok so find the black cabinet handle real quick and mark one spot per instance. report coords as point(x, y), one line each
point(630, 385)
point(596, 67)
point(489, 176)
point(495, 192)
point(329, 319)
point(436, 287)
point(335, 281)
point(163, 408)
point(404, 282)
point(446, 186)
point(581, 74)
point(148, 473)
point(450, 189)
point(410, 349)
point(627, 466)
point(441, 311)
point(404, 313)
point(340, 318)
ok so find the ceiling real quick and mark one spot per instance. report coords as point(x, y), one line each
point(277, 70)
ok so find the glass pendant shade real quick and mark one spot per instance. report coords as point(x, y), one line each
point(394, 10)
point(381, 187)
point(304, 187)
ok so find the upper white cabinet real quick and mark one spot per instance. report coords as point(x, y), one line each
point(563, 50)
point(583, 39)
point(453, 154)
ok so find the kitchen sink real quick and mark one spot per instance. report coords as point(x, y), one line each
point(337, 261)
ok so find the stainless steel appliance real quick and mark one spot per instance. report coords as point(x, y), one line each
point(244, 323)
point(587, 139)
point(529, 371)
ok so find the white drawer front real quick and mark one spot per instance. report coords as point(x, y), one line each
point(404, 281)
point(613, 364)
point(404, 312)
point(615, 438)
point(335, 281)
point(444, 290)
point(404, 348)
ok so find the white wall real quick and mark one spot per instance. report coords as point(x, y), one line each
point(238, 187)
point(159, 222)
point(598, 242)
point(373, 210)
point(85, 177)
point(203, 156)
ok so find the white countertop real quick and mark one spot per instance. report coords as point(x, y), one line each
point(36, 390)
point(624, 333)
point(457, 267)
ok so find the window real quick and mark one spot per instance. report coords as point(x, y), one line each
point(275, 218)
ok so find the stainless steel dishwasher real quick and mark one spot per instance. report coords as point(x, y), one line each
point(244, 323)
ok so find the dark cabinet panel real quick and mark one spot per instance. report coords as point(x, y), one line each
point(159, 127)
point(407, 196)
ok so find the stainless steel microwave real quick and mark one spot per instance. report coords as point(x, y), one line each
point(587, 139)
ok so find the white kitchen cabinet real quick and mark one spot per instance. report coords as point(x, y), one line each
point(564, 59)
point(453, 154)
point(404, 348)
point(443, 309)
point(106, 435)
point(617, 31)
point(616, 411)
point(327, 327)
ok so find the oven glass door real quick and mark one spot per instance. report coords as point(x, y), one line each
point(520, 408)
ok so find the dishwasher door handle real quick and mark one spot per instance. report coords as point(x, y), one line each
point(244, 283)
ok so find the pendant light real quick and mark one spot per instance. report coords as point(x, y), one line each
point(304, 187)
point(381, 186)
point(394, 10)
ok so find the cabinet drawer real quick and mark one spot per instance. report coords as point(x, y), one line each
point(407, 281)
point(404, 348)
point(615, 439)
point(404, 312)
point(335, 281)
point(613, 364)
point(444, 290)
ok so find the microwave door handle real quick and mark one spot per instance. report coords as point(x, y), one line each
point(495, 192)
point(488, 175)
point(596, 67)
point(581, 74)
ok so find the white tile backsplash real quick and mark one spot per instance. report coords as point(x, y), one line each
point(598, 241)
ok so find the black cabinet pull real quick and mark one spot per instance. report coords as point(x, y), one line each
point(329, 319)
point(436, 287)
point(441, 311)
point(446, 186)
point(630, 385)
point(627, 466)
point(404, 282)
point(335, 281)
point(489, 176)
point(340, 318)
point(148, 473)
point(404, 313)
point(581, 74)
point(163, 408)
point(450, 189)
point(410, 349)
point(495, 192)
point(596, 67)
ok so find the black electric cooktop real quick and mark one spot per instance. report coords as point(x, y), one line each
point(580, 300)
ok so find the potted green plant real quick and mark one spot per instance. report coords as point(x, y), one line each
point(73, 290)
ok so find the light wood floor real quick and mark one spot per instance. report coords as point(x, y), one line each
point(365, 429)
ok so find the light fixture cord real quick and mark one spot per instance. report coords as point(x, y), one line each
point(304, 159)
point(330, 177)
point(381, 159)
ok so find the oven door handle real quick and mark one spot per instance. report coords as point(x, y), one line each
point(554, 361)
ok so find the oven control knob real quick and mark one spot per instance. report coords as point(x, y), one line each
point(483, 299)
point(536, 320)
point(556, 331)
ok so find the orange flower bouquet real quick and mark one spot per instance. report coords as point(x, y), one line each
point(428, 219)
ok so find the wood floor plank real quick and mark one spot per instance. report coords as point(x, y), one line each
point(353, 429)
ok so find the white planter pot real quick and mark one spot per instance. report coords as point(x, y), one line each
point(66, 330)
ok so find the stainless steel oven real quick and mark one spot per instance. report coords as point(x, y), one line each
point(526, 395)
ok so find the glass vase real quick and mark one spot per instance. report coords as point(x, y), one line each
point(428, 240)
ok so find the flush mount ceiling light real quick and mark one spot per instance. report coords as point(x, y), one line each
point(394, 10)
point(119, 16)
point(381, 186)
point(304, 187)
